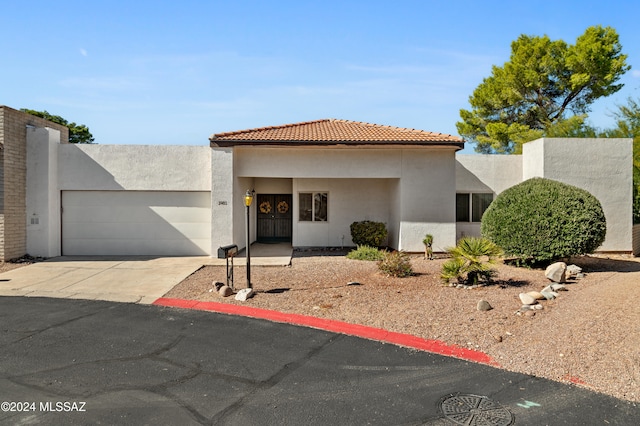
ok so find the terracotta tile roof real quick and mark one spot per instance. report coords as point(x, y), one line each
point(333, 132)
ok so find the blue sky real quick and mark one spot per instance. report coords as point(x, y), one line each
point(169, 72)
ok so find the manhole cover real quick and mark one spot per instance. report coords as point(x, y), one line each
point(465, 409)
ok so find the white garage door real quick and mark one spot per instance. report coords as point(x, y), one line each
point(136, 223)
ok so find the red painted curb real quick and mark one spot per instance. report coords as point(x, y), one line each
point(407, 340)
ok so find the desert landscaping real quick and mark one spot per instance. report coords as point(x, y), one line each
point(588, 336)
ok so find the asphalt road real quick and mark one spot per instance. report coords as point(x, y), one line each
point(92, 362)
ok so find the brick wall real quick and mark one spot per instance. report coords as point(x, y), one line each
point(13, 168)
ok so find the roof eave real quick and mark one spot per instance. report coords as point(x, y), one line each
point(222, 143)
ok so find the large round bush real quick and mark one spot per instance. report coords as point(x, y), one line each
point(540, 220)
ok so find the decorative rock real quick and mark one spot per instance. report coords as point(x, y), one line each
point(244, 294)
point(556, 272)
point(573, 270)
point(538, 307)
point(558, 287)
point(225, 291)
point(498, 338)
point(527, 299)
point(549, 295)
point(353, 283)
point(483, 305)
point(536, 295)
point(579, 276)
point(217, 285)
point(530, 314)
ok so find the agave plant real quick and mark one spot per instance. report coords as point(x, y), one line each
point(471, 260)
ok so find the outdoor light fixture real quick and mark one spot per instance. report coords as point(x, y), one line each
point(248, 199)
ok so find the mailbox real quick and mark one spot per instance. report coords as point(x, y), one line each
point(226, 252)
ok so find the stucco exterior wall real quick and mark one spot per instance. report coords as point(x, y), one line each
point(349, 200)
point(223, 203)
point(427, 204)
point(485, 174)
point(13, 139)
point(601, 166)
point(318, 162)
point(135, 167)
point(409, 189)
point(43, 196)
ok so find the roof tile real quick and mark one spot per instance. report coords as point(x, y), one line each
point(329, 131)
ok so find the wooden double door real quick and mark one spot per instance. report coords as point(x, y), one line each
point(274, 218)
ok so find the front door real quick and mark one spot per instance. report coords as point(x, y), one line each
point(274, 218)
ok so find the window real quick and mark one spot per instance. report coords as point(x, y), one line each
point(312, 206)
point(471, 207)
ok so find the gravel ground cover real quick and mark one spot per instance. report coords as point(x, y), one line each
point(588, 336)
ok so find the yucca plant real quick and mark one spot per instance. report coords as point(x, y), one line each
point(471, 260)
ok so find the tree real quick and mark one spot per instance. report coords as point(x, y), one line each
point(546, 86)
point(628, 126)
point(78, 133)
point(540, 220)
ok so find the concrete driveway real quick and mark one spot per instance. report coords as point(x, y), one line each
point(131, 279)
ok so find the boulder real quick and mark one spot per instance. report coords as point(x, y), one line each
point(483, 305)
point(225, 291)
point(557, 272)
point(244, 294)
point(536, 295)
point(549, 295)
point(573, 271)
point(527, 299)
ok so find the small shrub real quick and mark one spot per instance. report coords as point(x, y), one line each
point(470, 261)
point(396, 264)
point(366, 253)
point(368, 233)
point(540, 220)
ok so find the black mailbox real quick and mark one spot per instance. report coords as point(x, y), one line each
point(226, 252)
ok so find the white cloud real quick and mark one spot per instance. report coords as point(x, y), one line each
point(83, 52)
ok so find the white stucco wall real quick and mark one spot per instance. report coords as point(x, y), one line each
point(410, 189)
point(318, 162)
point(427, 201)
point(135, 167)
point(223, 203)
point(42, 195)
point(487, 173)
point(476, 173)
point(349, 200)
point(601, 166)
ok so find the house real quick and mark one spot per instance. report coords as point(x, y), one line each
point(311, 181)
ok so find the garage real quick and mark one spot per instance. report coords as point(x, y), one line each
point(158, 223)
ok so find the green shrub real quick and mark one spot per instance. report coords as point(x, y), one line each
point(368, 233)
point(470, 261)
point(396, 264)
point(541, 220)
point(366, 253)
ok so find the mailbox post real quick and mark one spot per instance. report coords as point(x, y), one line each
point(228, 252)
